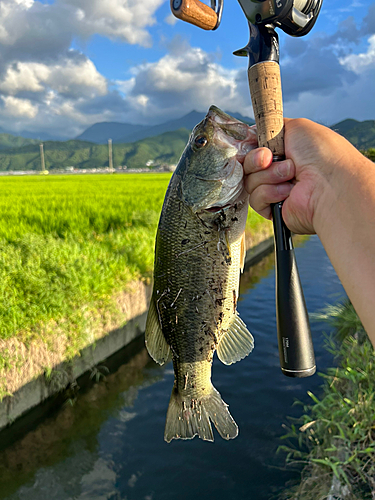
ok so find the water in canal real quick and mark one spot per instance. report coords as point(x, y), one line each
point(109, 444)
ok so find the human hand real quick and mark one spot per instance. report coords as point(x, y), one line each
point(315, 155)
point(329, 188)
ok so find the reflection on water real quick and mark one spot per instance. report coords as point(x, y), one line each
point(254, 274)
point(77, 426)
point(109, 444)
point(262, 269)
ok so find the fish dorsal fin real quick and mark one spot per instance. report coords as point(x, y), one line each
point(243, 252)
point(236, 343)
point(156, 344)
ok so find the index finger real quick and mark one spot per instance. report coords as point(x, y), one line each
point(257, 160)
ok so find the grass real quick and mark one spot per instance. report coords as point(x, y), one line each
point(335, 437)
point(68, 241)
point(78, 205)
point(67, 244)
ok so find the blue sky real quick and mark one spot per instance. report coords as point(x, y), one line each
point(66, 64)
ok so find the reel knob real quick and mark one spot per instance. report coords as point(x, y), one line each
point(195, 12)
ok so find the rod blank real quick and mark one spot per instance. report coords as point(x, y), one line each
point(296, 349)
point(293, 329)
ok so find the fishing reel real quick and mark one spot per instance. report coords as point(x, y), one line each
point(295, 17)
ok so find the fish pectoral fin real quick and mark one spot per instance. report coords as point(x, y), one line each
point(236, 343)
point(155, 342)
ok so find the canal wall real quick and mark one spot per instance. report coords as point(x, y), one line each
point(134, 306)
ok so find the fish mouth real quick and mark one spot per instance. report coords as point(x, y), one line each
point(232, 132)
point(221, 118)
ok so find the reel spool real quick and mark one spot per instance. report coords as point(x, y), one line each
point(295, 17)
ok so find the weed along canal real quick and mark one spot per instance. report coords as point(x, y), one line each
point(106, 442)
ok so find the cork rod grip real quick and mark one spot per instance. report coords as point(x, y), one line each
point(266, 96)
point(194, 12)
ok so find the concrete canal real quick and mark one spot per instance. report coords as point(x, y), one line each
point(106, 442)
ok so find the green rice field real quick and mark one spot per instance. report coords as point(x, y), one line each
point(67, 243)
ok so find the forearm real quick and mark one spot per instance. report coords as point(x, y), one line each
point(346, 227)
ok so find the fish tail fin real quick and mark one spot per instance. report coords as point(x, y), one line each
point(188, 417)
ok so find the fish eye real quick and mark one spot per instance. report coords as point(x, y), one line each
point(200, 141)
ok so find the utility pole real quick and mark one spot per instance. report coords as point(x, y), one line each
point(42, 159)
point(110, 158)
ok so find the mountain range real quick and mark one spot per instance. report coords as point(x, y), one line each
point(127, 132)
point(360, 134)
point(134, 145)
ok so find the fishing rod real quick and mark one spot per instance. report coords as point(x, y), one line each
point(296, 18)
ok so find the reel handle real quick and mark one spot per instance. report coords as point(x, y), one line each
point(293, 329)
point(195, 12)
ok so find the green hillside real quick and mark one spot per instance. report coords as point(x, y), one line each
point(8, 141)
point(165, 148)
point(162, 148)
point(360, 134)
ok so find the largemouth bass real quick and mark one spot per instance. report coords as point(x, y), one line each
point(199, 253)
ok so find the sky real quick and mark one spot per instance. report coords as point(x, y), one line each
point(67, 64)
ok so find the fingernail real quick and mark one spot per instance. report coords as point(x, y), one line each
point(284, 189)
point(283, 168)
point(258, 158)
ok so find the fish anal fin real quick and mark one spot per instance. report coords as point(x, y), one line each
point(236, 343)
point(156, 344)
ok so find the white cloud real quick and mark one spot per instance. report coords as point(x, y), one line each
point(24, 77)
point(70, 77)
point(15, 107)
point(171, 19)
point(184, 80)
point(352, 100)
point(44, 85)
point(345, 89)
point(358, 63)
point(143, 100)
point(9, 11)
point(125, 86)
point(126, 20)
point(30, 27)
point(77, 78)
point(26, 4)
point(54, 93)
point(352, 6)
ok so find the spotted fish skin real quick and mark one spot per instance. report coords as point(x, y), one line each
point(199, 254)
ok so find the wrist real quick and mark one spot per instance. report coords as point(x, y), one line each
point(341, 189)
